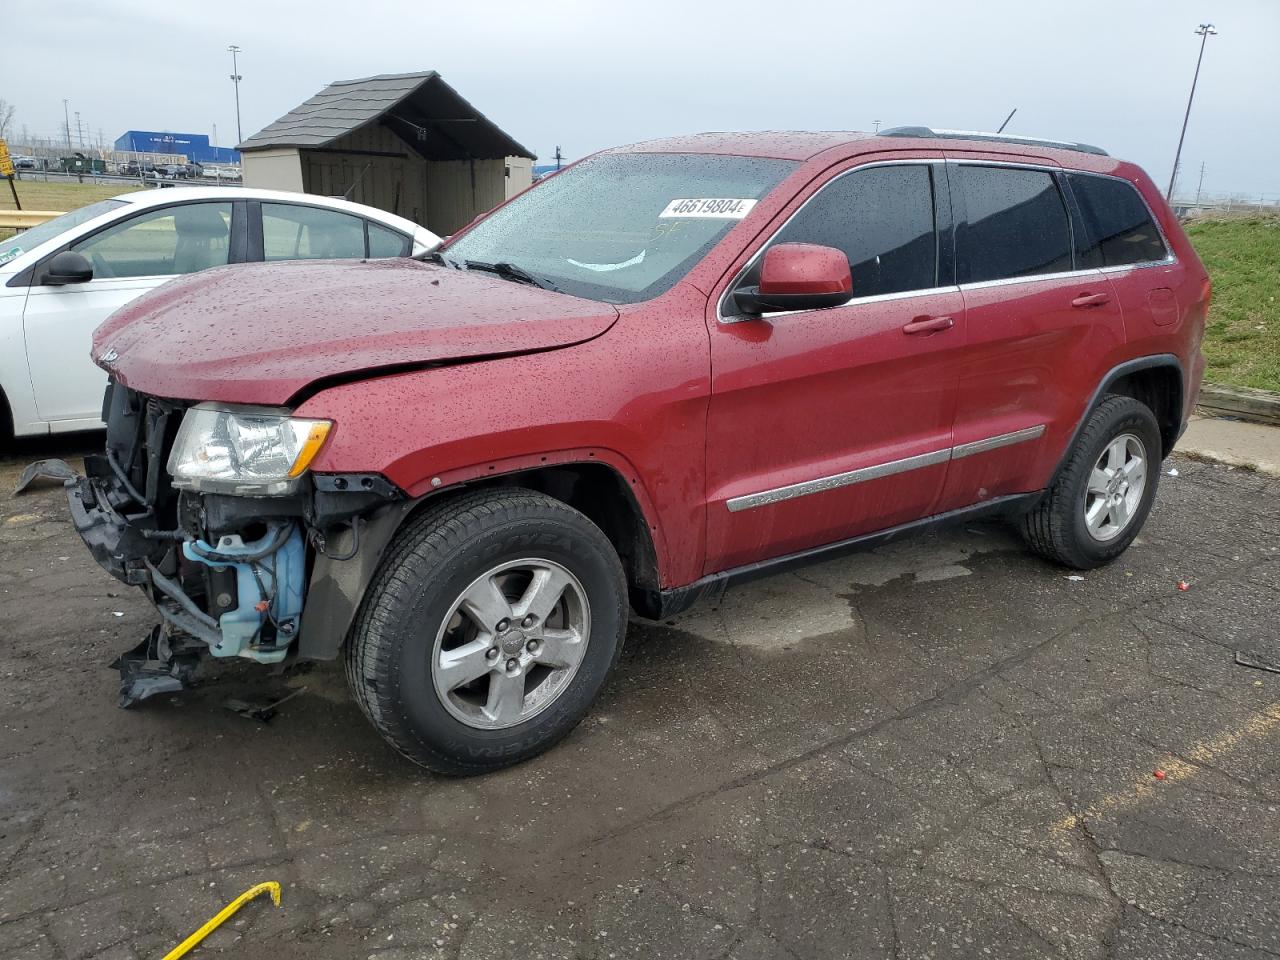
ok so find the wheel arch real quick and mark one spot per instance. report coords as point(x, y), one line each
point(1157, 380)
point(597, 489)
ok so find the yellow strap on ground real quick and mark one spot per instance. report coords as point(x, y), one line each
point(189, 944)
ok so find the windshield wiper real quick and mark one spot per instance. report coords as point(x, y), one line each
point(509, 271)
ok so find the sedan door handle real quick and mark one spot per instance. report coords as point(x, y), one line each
point(928, 325)
point(1091, 300)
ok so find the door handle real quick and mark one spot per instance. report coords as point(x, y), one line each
point(1091, 300)
point(928, 325)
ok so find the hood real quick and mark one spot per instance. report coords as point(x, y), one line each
point(260, 333)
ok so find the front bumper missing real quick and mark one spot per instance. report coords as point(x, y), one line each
point(167, 659)
point(217, 591)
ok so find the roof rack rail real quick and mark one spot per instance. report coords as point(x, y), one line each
point(993, 137)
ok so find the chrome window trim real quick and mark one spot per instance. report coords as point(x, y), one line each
point(751, 261)
point(834, 481)
point(1010, 281)
point(1170, 256)
point(996, 442)
point(877, 298)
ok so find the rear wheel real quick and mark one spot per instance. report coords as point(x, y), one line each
point(492, 624)
point(1103, 493)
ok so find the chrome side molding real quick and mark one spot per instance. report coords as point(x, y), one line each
point(994, 443)
point(874, 472)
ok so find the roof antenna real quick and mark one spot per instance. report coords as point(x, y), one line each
point(1007, 119)
point(352, 189)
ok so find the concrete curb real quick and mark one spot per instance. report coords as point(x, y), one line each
point(1250, 446)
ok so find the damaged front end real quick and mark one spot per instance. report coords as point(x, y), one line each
point(223, 530)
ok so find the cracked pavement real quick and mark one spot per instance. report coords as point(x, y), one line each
point(942, 748)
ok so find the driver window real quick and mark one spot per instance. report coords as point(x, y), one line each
point(164, 242)
point(882, 219)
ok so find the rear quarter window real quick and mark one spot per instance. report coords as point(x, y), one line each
point(1015, 224)
point(1119, 229)
point(384, 242)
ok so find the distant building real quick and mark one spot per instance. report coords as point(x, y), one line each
point(195, 146)
point(407, 143)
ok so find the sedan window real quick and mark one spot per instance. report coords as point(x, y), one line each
point(294, 232)
point(33, 237)
point(171, 240)
point(385, 242)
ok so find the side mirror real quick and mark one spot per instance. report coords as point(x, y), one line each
point(67, 267)
point(798, 276)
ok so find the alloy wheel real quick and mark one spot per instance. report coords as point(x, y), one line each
point(1115, 488)
point(511, 643)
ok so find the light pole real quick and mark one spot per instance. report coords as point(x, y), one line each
point(1204, 31)
point(235, 78)
point(66, 118)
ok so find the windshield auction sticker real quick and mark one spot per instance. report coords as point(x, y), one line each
point(11, 254)
point(716, 208)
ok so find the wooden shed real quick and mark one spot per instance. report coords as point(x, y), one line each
point(407, 143)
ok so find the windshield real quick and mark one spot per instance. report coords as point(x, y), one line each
point(30, 239)
point(620, 227)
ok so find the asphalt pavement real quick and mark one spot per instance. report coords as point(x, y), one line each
point(941, 748)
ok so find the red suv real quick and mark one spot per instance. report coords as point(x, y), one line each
point(671, 367)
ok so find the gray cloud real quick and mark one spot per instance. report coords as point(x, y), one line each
point(588, 75)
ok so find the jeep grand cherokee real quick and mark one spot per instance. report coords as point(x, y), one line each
point(671, 367)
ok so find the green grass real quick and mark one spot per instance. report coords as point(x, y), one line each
point(38, 195)
point(1242, 338)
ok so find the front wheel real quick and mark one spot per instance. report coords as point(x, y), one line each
point(492, 624)
point(1102, 496)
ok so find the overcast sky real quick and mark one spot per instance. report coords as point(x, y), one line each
point(589, 75)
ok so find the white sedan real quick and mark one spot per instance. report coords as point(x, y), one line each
point(60, 280)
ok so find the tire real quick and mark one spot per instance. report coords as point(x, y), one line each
point(1060, 527)
point(420, 612)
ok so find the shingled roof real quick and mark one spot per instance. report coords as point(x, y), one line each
point(423, 110)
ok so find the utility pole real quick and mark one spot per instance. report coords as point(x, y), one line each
point(1200, 185)
point(66, 122)
point(558, 157)
point(79, 132)
point(876, 124)
point(1204, 31)
point(235, 78)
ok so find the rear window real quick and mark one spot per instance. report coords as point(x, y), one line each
point(1015, 224)
point(1118, 226)
point(295, 232)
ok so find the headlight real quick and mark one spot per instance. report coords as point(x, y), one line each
point(243, 451)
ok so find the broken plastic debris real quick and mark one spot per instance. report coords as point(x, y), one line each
point(117, 613)
point(1075, 577)
point(1173, 471)
point(49, 469)
point(262, 710)
point(1183, 585)
point(1158, 774)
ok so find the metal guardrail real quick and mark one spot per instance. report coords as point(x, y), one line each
point(55, 176)
point(23, 219)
